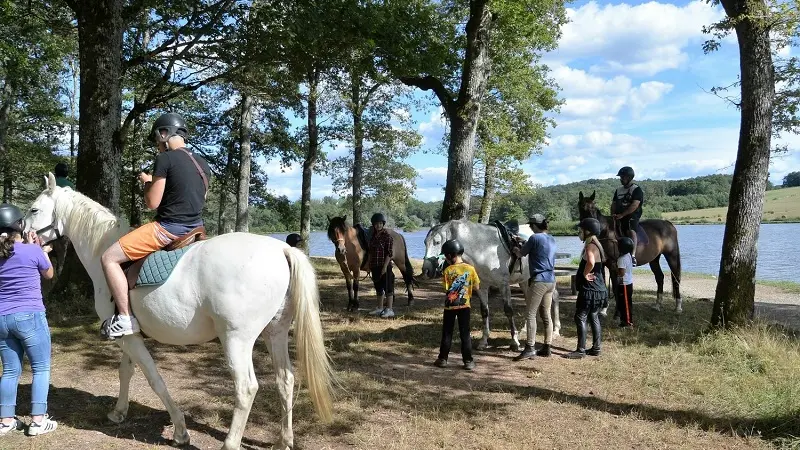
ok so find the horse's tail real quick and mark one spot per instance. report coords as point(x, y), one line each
point(312, 356)
point(408, 274)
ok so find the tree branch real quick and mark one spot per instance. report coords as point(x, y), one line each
point(429, 83)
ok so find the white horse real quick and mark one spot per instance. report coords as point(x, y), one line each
point(236, 287)
point(484, 249)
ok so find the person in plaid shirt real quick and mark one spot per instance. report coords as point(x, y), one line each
point(380, 266)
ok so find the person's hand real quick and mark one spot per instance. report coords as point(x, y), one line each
point(33, 238)
point(47, 248)
point(590, 277)
point(516, 252)
point(383, 272)
point(617, 216)
point(145, 177)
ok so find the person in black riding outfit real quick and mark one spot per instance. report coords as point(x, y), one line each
point(592, 292)
point(293, 239)
point(626, 206)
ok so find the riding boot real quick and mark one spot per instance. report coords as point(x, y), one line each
point(633, 237)
point(527, 353)
point(544, 351)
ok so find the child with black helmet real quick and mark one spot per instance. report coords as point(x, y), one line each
point(592, 292)
point(381, 250)
point(624, 292)
point(460, 281)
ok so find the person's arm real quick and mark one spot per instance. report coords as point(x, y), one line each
point(154, 192)
point(590, 260)
point(476, 282)
point(389, 253)
point(528, 247)
point(43, 262)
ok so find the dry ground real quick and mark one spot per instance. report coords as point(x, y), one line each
point(662, 385)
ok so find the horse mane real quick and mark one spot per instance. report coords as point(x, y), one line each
point(333, 224)
point(88, 221)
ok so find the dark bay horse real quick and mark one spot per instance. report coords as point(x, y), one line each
point(351, 253)
point(661, 239)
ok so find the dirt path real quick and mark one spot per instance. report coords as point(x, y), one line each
point(772, 303)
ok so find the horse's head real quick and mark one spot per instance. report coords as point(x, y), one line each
point(42, 216)
point(433, 262)
point(586, 205)
point(336, 232)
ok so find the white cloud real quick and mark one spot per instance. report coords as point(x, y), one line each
point(640, 39)
point(436, 122)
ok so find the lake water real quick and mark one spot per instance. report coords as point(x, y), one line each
point(701, 248)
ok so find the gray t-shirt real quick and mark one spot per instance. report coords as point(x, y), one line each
point(541, 252)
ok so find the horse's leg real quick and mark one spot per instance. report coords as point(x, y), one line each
point(674, 262)
point(655, 266)
point(483, 296)
point(524, 286)
point(355, 290)
point(555, 314)
point(133, 346)
point(126, 368)
point(509, 310)
point(284, 377)
point(239, 355)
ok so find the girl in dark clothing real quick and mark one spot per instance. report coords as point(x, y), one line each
point(592, 292)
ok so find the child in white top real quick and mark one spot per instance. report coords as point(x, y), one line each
point(624, 292)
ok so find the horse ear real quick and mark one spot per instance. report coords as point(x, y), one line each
point(329, 217)
point(344, 218)
point(51, 182)
point(591, 197)
point(580, 196)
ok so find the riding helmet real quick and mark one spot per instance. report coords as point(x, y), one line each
point(452, 247)
point(626, 171)
point(10, 217)
point(173, 123)
point(293, 239)
point(625, 245)
point(378, 217)
point(591, 225)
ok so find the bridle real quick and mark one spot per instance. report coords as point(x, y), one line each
point(53, 226)
point(340, 238)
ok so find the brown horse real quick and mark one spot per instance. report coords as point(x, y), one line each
point(351, 253)
point(661, 239)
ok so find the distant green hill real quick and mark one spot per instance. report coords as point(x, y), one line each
point(780, 205)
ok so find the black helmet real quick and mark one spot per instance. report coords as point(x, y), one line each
point(591, 225)
point(452, 247)
point(61, 170)
point(378, 217)
point(10, 217)
point(626, 171)
point(173, 123)
point(293, 239)
point(625, 245)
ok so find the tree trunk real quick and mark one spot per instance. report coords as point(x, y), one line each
point(222, 219)
point(489, 190)
point(466, 112)
point(358, 147)
point(243, 195)
point(734, 299)
point(312, 152)
point(136, 193)
point(5, 157)
point(72, 105)
point(99, 153)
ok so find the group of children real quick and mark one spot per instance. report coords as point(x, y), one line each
point(460, 280)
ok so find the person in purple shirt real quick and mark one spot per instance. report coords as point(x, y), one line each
point(23, 324)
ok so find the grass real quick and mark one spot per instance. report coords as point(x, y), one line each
point(780, 205)
point(669, 383)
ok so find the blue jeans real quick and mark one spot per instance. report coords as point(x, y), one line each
point(24, 333)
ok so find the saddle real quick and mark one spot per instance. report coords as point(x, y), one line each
point(159, 265)
point(509, 232)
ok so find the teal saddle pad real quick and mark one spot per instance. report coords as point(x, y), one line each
point(158, 266)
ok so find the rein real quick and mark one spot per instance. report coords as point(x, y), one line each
point(53, 227)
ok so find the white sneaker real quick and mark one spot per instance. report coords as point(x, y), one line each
point(45, 426)
point(118, 326)
point(376, 312)
point(16, 425)
point(387, 313)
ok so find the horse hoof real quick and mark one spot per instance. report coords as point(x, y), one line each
point(181, 440)
point(556, 332)
point(515, 346)
point(116, 416)
point(679, 310)
point(656, 307)
point(481, 345)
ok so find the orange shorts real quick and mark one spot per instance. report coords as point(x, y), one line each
point(144, 240)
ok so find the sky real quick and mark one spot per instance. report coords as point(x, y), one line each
point(636, 89)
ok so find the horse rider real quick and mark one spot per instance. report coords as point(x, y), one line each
point(626, 206)
point(293, 239)
point(61, 172)
point(177, 191)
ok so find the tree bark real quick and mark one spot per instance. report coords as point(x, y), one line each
point(100, 48)
point(734, 299)
point(489, 191)
point(243, 194)
point(72, 105)
point(136, 194)
point(312, 152)
point(358, 146)
point(5, 157)
point(222, 218)
point(463, 112)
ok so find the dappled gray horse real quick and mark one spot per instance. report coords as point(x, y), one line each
point(485, 250)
